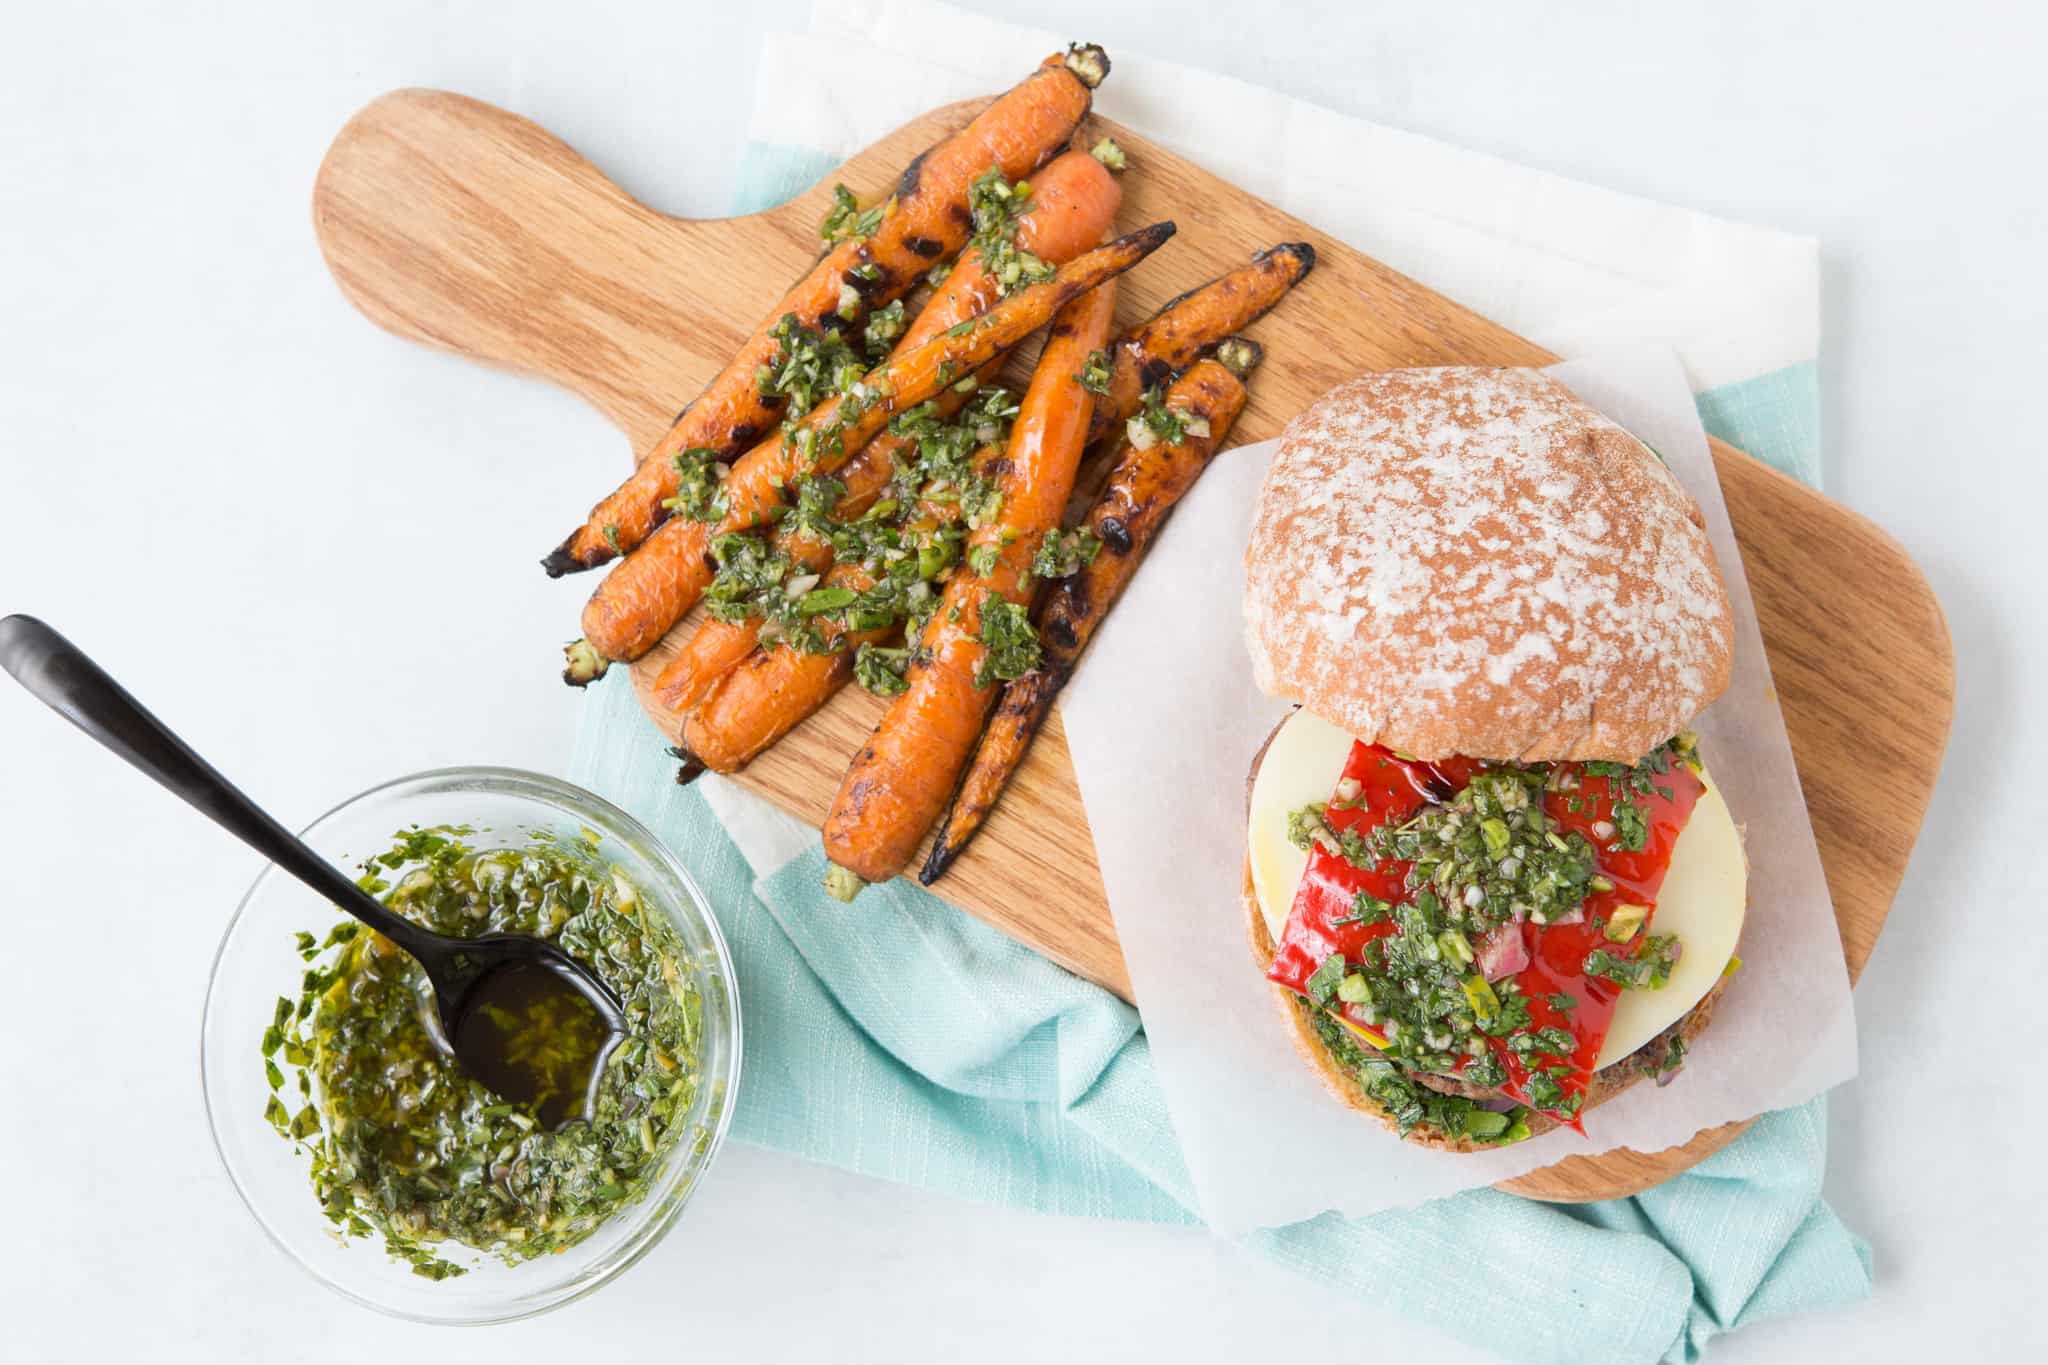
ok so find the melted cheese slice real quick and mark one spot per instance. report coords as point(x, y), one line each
point(1703, 899)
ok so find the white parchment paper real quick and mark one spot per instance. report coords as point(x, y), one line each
point(1162, 719)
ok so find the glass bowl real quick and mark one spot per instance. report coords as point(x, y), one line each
point(258, 962)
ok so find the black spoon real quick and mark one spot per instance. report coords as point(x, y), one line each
point(487, 990)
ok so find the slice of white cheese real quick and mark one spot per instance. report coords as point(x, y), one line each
point(1702, 901)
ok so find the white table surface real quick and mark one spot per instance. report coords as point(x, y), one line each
point(311, 547)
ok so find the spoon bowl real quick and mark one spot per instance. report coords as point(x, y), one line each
point(527, 1026)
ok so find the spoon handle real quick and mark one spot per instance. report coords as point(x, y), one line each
point(71, 684)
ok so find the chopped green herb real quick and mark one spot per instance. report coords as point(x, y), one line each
point(1154, 422)
point(1410, 1104)
point(1663, 1065)
point(808, 365)
point(1305, 823)
point(880, 670)
point(997, 206)
point(885, 326)
point(1327, 977)
point(820, 600)
point(1010, 641)
point(1065, 553)
point(847, 219)
point(1648, 968)
point(981, 503)
point(700, 480)
point(1095, 373)
point(1366, 908)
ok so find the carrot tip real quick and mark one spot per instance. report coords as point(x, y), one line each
point(1239, 355)
point(1088, 62)
point(1300, 252)
point(584, 664)
point(842, 883)
point(689, 767)
point(1149, 239)
point(940, 859)
point(561, 560)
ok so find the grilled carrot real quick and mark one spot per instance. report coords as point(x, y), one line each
point(1169, 341)
point(743, 720)
point(1073, 201)
point(769, 694)
point(923, 222)
point(657, 585)
point(1142, 491)
point(898, 783)
point(771, 691)
point(716, 647)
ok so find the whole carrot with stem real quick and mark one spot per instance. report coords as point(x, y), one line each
point(880, 254)
point(1073, 201)
point(981, 634)
point(657, 585)
point(1142, 490)
point(781, 687)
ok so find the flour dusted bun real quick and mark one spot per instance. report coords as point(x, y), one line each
point(1472, 561)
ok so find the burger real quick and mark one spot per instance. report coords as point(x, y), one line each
point(1489, 873)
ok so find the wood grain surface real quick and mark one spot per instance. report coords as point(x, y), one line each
point(459, 225)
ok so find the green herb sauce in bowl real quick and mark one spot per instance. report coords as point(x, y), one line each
point(402, 1181)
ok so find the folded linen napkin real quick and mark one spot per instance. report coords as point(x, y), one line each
point(901, 1039)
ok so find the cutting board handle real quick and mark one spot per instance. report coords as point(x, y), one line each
point(451, 222)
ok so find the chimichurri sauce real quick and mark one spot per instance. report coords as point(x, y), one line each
point(403, 1143)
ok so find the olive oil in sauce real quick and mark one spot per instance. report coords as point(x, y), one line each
point(532, 1035)
point(404, 1144)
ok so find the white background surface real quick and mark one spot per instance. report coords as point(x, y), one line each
point(310, 547)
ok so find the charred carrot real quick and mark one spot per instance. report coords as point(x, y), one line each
point(898, 783)
point(1166, 343)
point(657, 585)
point(883, 253)
point(772, 691)
point(1141, 492)
point(716, 646)
point(1072, 203)
point(1160, 346)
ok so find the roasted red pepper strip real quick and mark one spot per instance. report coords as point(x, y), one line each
point(1392, 789)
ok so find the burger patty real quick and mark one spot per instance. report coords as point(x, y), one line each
point(1451, 1085)
point(1649, 1057)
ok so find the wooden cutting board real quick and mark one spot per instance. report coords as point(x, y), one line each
point(456, 224)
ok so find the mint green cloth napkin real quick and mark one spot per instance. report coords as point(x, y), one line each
point(901, 1039)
